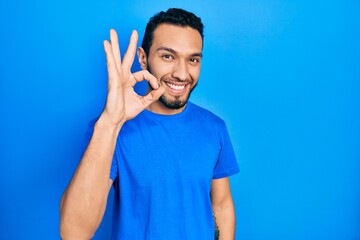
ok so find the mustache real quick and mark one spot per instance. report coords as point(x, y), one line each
point(175, 80)
point(170, 79)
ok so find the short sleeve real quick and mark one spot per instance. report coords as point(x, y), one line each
point(87, 138)
point(226, 164)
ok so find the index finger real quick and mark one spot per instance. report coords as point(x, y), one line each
point(131, 50)
point(145, 75)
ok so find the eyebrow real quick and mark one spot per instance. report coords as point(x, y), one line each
point(174, 52)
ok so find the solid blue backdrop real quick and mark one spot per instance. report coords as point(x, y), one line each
point(284, 75)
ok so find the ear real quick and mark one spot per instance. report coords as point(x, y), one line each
point(142, 58)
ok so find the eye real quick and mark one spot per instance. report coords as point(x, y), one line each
point(194, 60)
point(167, 57)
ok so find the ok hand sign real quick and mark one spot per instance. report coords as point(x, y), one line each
point(122, 102)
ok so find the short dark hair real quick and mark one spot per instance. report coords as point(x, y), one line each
point(174, 16)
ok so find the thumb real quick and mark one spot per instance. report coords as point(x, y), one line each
point(153, 96)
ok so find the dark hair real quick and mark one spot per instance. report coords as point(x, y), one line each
point(174, 16)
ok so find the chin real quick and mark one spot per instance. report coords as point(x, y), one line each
point(173, 103)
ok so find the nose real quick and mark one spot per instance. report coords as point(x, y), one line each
point(180, 71)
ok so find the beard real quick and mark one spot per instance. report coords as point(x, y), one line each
point(173, 102)
point(176, 103)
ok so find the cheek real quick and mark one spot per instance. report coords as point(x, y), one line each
point(195, 73)
point(160, 69)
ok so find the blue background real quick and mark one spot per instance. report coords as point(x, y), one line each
point(284, 75)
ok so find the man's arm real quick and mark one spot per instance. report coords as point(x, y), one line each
point(223, 208)
point(84, 201)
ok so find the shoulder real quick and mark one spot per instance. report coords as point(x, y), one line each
point(93, 121)
point(91, 126)
point(205, 115)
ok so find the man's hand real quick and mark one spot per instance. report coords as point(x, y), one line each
point(122, 102)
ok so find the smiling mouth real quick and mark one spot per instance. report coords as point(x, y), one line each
point(175, 87)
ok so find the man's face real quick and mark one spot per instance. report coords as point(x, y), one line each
point(174, 59)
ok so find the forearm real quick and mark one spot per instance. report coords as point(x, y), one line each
point(225, 219)
point(84, 201)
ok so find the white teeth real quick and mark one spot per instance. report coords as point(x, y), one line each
point(176, 87)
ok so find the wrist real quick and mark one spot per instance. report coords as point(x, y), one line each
point(105, 122)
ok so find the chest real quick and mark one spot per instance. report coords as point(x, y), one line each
point(153, 155)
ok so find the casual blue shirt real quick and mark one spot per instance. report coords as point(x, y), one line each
point(162, 169)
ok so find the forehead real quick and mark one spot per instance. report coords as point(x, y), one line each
point(185, 40)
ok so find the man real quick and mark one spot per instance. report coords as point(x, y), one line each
point(168, 159)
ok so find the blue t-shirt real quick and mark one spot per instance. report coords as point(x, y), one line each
point(162, 169)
